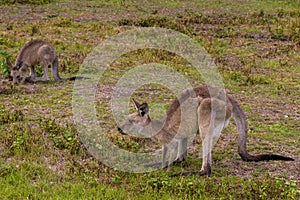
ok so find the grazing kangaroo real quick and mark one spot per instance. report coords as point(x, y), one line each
point(35, 52)
point(207, 114)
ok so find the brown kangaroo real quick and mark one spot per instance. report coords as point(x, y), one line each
point(35, 52)
point(207, 114)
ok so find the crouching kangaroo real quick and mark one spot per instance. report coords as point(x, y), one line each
point(207, 114)
point(35, 52)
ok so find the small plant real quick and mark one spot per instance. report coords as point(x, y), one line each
point(26, 1)
point(20, 139)
point(126, 142)
point(65, 138)
point(4, 68)
point(159, 183)
point(34, 30)
point(6, 169)
point(10, 116)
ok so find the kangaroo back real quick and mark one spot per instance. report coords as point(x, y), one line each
point(36, 52)
point(201, 91)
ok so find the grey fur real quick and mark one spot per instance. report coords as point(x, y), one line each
point(35, 52)
point(197, 110)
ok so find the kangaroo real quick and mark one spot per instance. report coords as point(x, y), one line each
point(35, 52)
point(206, 114)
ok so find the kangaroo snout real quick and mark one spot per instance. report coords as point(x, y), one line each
point(121, 131)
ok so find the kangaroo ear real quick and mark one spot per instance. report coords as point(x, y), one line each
point(9, 63)
point(143, 109)
point(19, 66)
point(136, 104)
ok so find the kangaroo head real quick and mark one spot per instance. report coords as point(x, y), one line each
point(15, 71)
point(136, 122)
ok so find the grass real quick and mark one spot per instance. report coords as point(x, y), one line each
point(255, 50)
point(32, 2)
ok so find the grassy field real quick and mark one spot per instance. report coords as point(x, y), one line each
point(255, 45)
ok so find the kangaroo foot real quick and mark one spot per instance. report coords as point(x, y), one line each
point(43, 79)
point(27, 79)
point(199, 173)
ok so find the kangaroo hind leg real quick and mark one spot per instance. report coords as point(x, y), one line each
point(55, 71)
point(206, 133)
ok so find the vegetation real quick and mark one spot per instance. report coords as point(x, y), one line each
point(257, 54)
point(25, 1)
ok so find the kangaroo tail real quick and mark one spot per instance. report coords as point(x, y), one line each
point(73, 78)
point(240, 120)
point(56, 74)
point(55, 70)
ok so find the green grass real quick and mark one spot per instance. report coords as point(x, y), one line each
point(33, 2)
point(43, 184)
point(255, 45)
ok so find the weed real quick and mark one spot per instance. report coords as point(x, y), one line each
point(20, 139)
point(10, 116)
point(26, 1)
point(6, 169)
point(158, 21)
point(63, 22)
point(126, 142)
point(4, 68)
point(34, 30)
point(65, 138)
